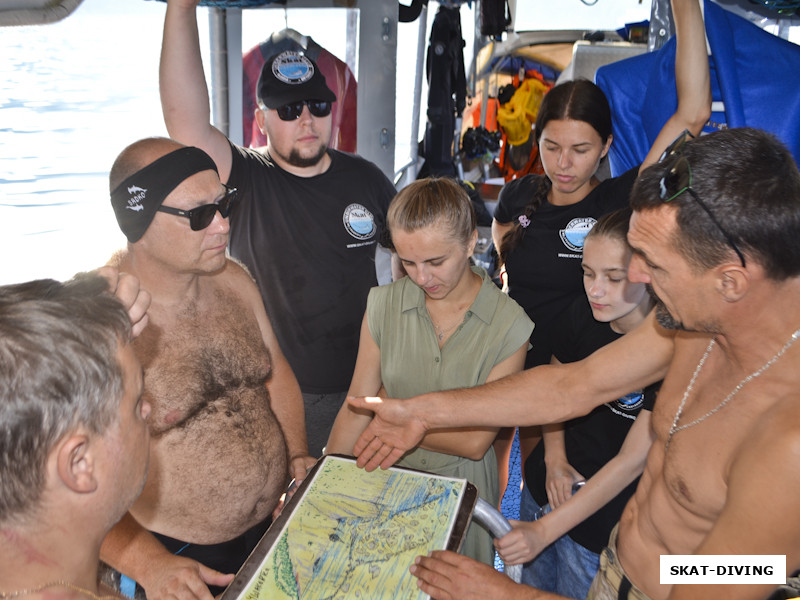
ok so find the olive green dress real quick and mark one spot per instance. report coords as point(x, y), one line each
point(494, 328)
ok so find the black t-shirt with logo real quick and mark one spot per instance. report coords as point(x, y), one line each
point(310, 244)
point(544, 270)
point(592, 440)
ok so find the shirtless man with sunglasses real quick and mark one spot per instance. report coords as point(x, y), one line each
point(227, 414)
point(308, 219)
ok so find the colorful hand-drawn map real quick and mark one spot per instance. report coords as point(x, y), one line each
point(353, 535)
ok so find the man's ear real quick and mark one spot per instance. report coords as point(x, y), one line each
point(733, 282)
point(261, 117)
point(76, 464)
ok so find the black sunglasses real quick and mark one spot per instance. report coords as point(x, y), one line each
point(201, 217)
point(678, 179)
point(290, 112)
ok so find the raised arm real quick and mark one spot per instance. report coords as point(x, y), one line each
point(692, 78)
point(182, 83)
point(526, 398)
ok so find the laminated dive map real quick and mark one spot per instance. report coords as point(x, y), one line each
point(349, 534)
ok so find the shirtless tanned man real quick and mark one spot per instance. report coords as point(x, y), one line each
point(223, 396)
point(73, 441)
point(308, 220)
point(716, 234)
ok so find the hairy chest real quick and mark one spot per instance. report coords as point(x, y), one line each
point(203, 362)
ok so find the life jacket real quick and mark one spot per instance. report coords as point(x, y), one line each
point(515, 119)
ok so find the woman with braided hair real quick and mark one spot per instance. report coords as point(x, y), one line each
point(541, 220)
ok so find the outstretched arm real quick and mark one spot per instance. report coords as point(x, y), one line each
point(692, 78)
point(473, 442)
point(526, 398)
point(182, 83)
point(528, 539)
point(367, 381)
point(135, 552)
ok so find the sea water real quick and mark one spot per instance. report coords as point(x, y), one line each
point(72, 95)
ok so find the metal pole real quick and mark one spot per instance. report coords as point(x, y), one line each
point(351, 54)
point(415, 113)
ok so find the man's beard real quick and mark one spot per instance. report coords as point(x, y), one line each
point(663, 316)
point(302, 162)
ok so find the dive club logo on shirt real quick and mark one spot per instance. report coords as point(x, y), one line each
point(574, 234)
point(137, 194)
point(629, 402)
point(359, 222)
point(291, 67)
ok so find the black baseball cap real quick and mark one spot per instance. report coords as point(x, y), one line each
point(291, 77)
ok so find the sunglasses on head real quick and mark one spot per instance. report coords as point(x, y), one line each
point(292, 111)
point(678, 179)
point(201, 217)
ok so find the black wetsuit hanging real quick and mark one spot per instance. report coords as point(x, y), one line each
point(447, 90)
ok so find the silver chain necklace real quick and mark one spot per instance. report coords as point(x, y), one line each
point(441, 332)
point(674, 427)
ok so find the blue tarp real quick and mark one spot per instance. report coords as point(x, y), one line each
point(754, 73)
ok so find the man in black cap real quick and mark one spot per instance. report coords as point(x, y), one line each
point(227, 415)
point(308, 220)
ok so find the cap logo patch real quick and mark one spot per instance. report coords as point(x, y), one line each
point(293, 68)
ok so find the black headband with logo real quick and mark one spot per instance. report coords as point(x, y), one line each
point(138, 197)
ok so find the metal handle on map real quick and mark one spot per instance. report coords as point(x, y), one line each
point(493, 520)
